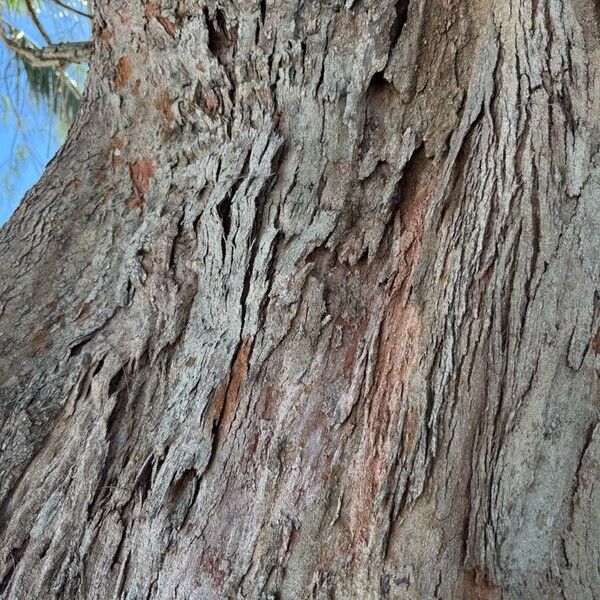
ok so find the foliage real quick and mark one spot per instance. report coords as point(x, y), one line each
point(14, 5)
point(50, 84)
point(54, 87)
point(36, 100)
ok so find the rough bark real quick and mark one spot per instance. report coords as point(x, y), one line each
point(307, 307)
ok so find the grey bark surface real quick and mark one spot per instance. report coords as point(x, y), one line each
point(307, 307)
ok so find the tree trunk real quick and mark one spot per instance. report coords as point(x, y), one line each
point(307, 307)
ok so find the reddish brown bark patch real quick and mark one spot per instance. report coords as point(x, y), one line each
point(43, 337)
point(482, 588)
point(209, 102)
point(268, 404)
point(125, 16)
point(396, 357)
point(136, 201)
point(124, 70)
point(226, 398)
point(169, 26)
point(72, 186)
point(118, 143)
point(100, 176)
point(238, 376)
point(83, 312)
point(211, 566)
point(180, 485)
point(596, 342)
point(163, 104)
point(153, 11)
point(142, 171)
point(136, 88)
point(105, 35)
point(356, 336)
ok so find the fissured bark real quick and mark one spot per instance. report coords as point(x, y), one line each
point(306, 307)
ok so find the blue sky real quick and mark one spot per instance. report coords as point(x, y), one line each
point(29, 132)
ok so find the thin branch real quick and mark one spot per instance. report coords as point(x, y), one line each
point(72, 9)
point(36, 21)
point(54, 54)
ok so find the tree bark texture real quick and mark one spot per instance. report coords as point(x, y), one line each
point(307, 307)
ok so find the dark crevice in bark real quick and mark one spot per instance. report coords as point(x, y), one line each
point(177, 486)
point(413, 174)
point(378, 85)
point(263, 10)
point(79, 346)
point(117, 430)
point(380, 100)
point(428, 432)
point(399, 22)
point(14, 556)
point(143, 481)
point(404, 196)
point(195, 482)
point(507, 305)
point(536, 234)
point(277, 440)
point(224, 212)
point(220, 38)
point(98, 367)
point(379, 81)
point(217, 425)
point(224, 207)
point(253, 241)
point(123, 576)
point(459, 168)
point(119, 551)
point(176, 240)
point(115, 384)
point(269, 278)
point(586, 444)
point(249, 269)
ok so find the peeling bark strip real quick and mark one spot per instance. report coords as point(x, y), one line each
point(349, 348)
